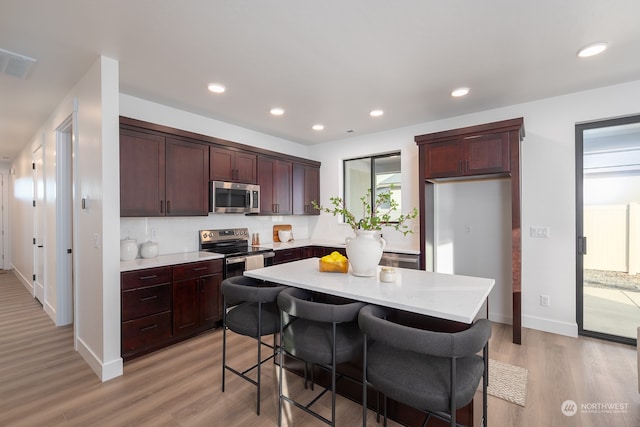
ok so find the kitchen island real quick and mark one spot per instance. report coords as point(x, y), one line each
point(436, 301)
point(444, 296)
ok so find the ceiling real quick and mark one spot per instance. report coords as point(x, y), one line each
point(328, 62)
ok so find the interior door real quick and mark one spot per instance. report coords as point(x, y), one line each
point(608, 229)
point(3, 262)
point(38, 221)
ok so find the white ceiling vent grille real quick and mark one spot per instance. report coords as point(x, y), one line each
point(15, 65)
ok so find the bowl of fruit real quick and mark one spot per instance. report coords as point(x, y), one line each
point(335, 262)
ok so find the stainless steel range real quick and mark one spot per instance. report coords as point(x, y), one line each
point(239, 255)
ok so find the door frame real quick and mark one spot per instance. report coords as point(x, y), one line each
point(5, 261)
point(65, 173)
point(580, 242)
point(39, 226)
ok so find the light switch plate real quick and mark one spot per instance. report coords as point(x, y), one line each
point(539, 231)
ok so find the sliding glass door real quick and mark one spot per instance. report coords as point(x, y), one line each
point(608, 228)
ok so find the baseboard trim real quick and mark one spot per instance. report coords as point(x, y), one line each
point(500, 318)
point(27, 283)
point(51, 312)
point(104, 371)
point(552, 326)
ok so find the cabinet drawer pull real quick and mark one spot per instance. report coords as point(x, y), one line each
point(149, 298)
point(161, 206)
point(200, 269)
point(148, 328)
point(153, 276)
point(168, 206)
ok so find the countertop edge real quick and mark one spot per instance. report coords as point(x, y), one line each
point(167, 260)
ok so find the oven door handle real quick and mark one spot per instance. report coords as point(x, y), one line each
point(241, 259)
point(235, 260)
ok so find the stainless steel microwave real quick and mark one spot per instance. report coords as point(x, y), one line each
point(233, 197)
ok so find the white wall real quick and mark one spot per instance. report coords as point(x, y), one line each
point(97, 269)
point(548, 186)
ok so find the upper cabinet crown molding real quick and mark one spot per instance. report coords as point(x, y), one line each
point(470, 132)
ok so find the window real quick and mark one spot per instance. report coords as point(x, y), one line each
point(375, 172)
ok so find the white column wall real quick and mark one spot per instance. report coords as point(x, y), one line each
point(97, 269)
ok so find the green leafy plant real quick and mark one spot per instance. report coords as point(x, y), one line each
point(373, 217)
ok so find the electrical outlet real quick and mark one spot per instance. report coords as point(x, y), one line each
point(152, 233)
point(545, 301)
point(96, 240)
point(539, 231)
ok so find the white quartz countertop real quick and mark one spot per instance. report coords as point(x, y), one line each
point(164, 260)
point(445, 296)
point(329, 244)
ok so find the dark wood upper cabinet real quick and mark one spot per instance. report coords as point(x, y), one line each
point(142, 174)
point(467, 156)
point(306, 188)
point(161, 176)
point(232, 165)
point(275, 180)
point(187, 178)
point(166, 172)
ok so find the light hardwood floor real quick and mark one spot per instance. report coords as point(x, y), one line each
point(43, 382)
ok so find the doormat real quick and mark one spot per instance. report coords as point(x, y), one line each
point(508, 382)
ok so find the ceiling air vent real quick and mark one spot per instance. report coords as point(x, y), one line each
point(15, 65)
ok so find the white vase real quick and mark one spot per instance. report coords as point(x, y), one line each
point(364, 252)
point(149, 249)
point(128, 249)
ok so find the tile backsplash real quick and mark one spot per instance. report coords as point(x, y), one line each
point(180, 234)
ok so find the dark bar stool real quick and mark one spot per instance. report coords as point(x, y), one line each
point(320, 333)
point(250, 309)
point(435, 372)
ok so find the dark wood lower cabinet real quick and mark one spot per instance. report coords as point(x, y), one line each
point(196, 304)
point(287, 255)
point(161, 306)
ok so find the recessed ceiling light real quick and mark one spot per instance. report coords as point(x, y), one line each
point(277, 111)
point(217, 88)
point(592, 49)
point(317, 127)
point(376, 113)
point(461, 91)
